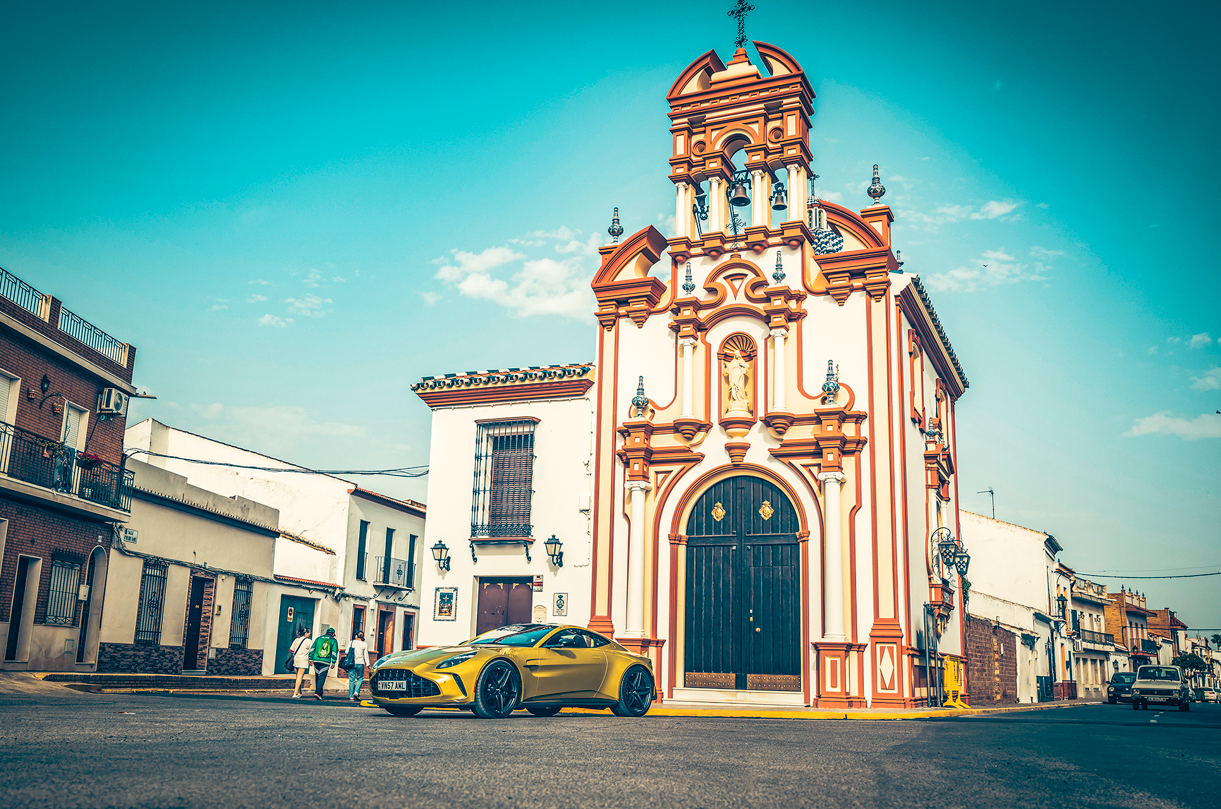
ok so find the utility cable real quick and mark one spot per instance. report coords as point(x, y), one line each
point(400, 472)
point(1180, 576)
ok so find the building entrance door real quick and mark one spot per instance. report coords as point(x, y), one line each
point(743, 610)
point(190, 656)
point(503, 602)
point(294, 612)
point(385, 632)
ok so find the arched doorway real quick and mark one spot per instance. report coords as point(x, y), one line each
point(743, 609)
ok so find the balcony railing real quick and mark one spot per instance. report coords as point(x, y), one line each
point(76, 326)
point(1148, 646)
point(497, 530)
point(19, 292)
point(29, 457)
point(393, 572)
point(1090, 636)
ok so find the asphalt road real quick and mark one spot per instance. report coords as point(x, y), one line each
point(112, 750)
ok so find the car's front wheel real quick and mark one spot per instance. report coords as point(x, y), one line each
point(635, 693)
point(497, 690)
point(404, 710)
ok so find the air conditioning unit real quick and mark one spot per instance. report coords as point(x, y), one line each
point(112, 402)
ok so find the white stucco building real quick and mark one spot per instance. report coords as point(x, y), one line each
point(357, 553)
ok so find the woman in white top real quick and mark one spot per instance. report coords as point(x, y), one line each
point(360, 658)
point(300, 652)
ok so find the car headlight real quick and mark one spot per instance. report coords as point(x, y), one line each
point(381, 660)
point(1110, 688)
point(455, 660)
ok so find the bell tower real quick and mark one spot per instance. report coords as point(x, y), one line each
point(740, 140)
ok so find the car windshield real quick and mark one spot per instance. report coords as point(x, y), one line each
point(1157, 673)
point(514, 635)
point(1124, 678)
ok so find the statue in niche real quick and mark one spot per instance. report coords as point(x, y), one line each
point(737, 374)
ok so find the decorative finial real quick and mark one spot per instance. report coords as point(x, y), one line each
point(899, 260)
point(640, 401)
point(778, 275)
point(876, 190)
point(688, 285)
point(831, 387)
point(615, 230)
point(740, 11)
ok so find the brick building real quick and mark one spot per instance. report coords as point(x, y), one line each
point(1127, 618)
point(992, 662)
point(64, 385)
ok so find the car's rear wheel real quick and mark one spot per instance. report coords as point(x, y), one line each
point(544, 710)
point(497, 690)
point(404, 710)
point(635, 693)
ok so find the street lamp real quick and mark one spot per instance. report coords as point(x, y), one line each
point(555, 551)
point(440, 552)
point(1061, 601)
point(963, 562)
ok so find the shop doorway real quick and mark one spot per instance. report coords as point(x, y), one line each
point(294, 612)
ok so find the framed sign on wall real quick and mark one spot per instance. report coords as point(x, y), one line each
point(443, 608)
point(559, 605)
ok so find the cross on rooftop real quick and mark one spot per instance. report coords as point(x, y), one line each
point(740, 11)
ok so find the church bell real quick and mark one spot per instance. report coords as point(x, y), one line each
point(780, 200)
point(738, 196)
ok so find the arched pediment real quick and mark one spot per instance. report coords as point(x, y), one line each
point(631, 260)
point(778, 62)
point(851, 222)
point(697, 76)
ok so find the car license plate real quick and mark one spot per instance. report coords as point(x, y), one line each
point(393, 685)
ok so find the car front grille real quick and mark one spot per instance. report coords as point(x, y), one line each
point(417, 686)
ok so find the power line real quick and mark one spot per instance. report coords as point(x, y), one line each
point(1180, 576)
point(400, 472)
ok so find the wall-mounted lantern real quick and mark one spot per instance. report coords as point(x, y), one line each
point(440, 552)
point(555, 550)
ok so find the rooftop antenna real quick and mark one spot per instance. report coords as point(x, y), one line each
point(988, 491)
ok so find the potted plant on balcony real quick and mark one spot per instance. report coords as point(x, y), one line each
point(87, 461)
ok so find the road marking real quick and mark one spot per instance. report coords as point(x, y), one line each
point(1152, 721)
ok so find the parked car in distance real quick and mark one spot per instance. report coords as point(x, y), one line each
point(1120, 687)
point(1160, 684)
point(1206, 695)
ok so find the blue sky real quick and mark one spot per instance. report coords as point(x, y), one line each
point(296, 210)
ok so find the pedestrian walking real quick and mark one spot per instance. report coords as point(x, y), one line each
point(358, 654)
point(300, 649)
point(323, 656)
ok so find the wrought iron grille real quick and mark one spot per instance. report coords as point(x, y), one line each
point(152, 598)
point(77, 327)
point(239, 619)
point(1148, 646)
point(19, 292)
point(362, 558)
point(1090, 636)
point(394, 572)
point(62, 595)
point(417, 686)
point(504, 472)
point(44, 462)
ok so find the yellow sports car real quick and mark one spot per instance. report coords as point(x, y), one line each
point(539, 667)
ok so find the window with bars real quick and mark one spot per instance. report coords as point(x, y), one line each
point(62, 596)
point(239, 619)
point(504, 473)
point(152, 598)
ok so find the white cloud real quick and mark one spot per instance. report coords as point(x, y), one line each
point(309, 306)
point(260, 282)
point(1200, 340)
point(831, 140)
point(430, 298)
point(314, 279)
point(1044, 253)
point(1210, 381)
point(529, 285)
point(1151, 350)
point(275, 320)
point(949, 214)
point(993, 268)
point(1042, 205)
point(1204, 426)
point(256, 299)
point(1174, 340)
point(831, 196)
point(278, 430)
point(216, 307)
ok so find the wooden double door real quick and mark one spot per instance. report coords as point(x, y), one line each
point(743, 599)
point(503, 602)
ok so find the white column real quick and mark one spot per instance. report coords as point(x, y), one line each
point(797, 195)
point(833, 558)
point(688, 346)
point(635, 560)
point(716, 204)
point(758, 200)
point(778, 336)
point(682, 212)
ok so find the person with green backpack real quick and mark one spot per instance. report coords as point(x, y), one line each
point(323, 656)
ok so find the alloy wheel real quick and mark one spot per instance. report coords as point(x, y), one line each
point(498, 689)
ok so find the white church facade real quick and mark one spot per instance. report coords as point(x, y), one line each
point(754, 483)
